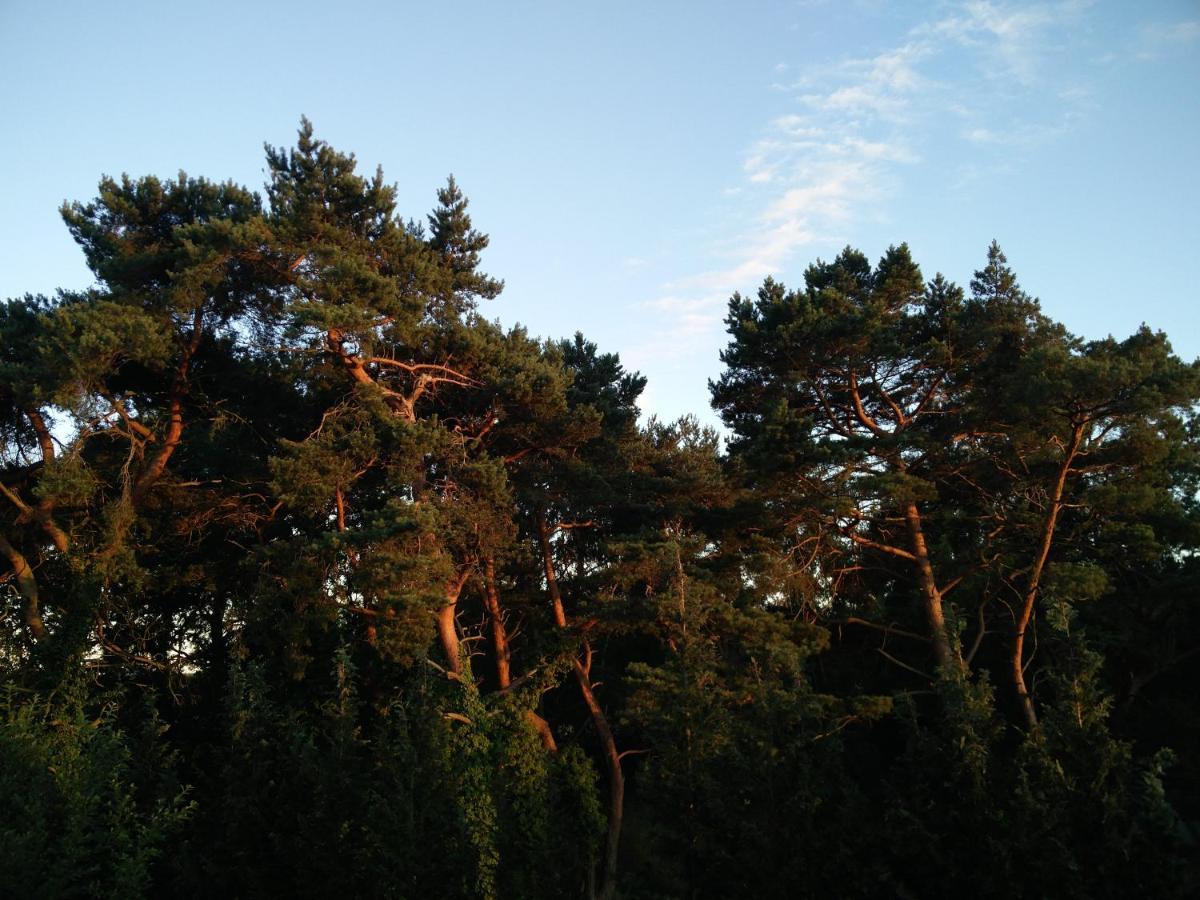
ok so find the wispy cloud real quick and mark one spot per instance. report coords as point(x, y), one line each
point(1157, 39)
point(1022, 135)
point(853, 127)
point(880, 86)
point(1014, 39)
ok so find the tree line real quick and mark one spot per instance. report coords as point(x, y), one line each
point(319, 582)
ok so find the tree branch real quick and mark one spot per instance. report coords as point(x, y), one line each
point(859, 410)
point(883, 548)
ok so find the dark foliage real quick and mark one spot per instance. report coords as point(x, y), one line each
point(317, 583)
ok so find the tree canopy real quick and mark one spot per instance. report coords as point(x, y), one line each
point(317, 581)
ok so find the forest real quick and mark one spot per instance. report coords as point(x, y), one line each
point(318, 582)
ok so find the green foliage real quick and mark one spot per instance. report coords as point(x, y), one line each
point(316, 583)
point(79, 821)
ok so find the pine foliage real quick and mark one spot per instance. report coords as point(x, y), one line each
point(318, 583)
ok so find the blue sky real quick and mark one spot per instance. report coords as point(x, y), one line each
point(636, 163)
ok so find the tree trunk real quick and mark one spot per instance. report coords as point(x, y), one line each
point(447, 628)
point(45, 441)
point(947, 658)
point(503, 653)
point(560, 615)
point(616, 783)
point(43, 514)
point(174, 433)
point(499, 631)
point(1028, 712)
point(616, 778)
point(27, 587)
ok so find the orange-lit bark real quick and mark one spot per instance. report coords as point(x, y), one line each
point(174, 433)
point(499, 631)
point(503, 652)
point(946, 653)
point(542, 727)
point(42, 514)
point(616, 781)
point(1028, 712)
point(424, 375)
point(39, 514)
point(560, 615)
point(447, 628)
point(947, 658)
point(616, 778)
point(27, 587)
point(45, 441)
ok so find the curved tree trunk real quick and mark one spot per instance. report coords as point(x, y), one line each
point(616, 778)
point(448, 628)
point(1017, 662)
point(27, 587)
point(43, 513)
point(504, 655)
point(174, 433)
point(616, 782)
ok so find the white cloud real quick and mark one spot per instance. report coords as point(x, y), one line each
point(1014, 38)
point(981, 136)
point(820, 195)
point(1159, 38)
point(812, 170)
point(879, 86)
point(1184, 32)
point(825, 194)
point(831, 161)
point(1022, 135)
point(690, 315)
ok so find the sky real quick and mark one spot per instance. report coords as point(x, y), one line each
point(637, 163)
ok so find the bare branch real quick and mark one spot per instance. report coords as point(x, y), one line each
point(883, 548)
point(902, 665)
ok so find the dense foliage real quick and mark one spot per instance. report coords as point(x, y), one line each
point(316, 582)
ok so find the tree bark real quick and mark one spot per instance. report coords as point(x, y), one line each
point(616, 778)
point(947, 658)
point(339, 502)
point(45, 441)
point(42, 514)
point(174, 433)
point(499, 631)
point(1028, 712)
point(616, 783)
point(503, 652)
point(560, 615)
point(27, 586)
point(447, 628)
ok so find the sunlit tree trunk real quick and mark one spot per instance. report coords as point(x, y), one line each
point(448, 627)
point(27, 587)
point(1028, 712)
point(616, 778)
point(503, 653)
point(947, 656)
